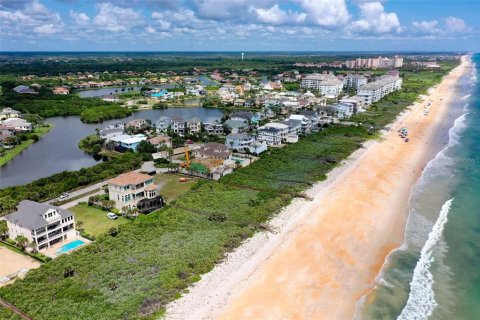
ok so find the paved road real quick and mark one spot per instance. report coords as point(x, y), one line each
point(80, 192)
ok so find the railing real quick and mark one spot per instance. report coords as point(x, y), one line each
point(54, 233)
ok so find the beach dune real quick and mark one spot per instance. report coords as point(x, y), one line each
point(328, 253)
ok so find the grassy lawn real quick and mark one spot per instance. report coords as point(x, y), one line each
point(10, 154)
point(170, 187)
point(95, 221)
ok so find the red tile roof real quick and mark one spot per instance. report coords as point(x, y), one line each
point(128, 178)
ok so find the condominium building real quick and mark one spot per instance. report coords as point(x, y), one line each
point(375, 63)
point(327, 83)
point(354, 80)
point(374, 91)
point(41, 223)
point(134, 190)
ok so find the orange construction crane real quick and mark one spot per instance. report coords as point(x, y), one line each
point(187, 157)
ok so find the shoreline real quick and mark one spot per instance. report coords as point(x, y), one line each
point(260, 278)
point(12, 153)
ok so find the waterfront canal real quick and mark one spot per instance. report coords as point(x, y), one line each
point(58, 150)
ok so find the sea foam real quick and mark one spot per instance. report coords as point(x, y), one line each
point(421, 301)
point(442, 161)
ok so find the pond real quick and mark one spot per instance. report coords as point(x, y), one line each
point(115, 90)
point(58, 150)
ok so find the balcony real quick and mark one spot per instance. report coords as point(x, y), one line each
point(53, 226)
point(55, 233)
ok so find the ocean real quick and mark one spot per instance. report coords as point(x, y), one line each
point(435, 274)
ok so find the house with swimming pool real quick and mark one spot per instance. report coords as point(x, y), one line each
point(41, 223)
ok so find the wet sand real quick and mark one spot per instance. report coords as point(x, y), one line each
point(328, 251)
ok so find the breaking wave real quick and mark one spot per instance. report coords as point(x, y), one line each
point(421, 301)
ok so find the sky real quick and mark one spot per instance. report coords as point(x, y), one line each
point(239, 25)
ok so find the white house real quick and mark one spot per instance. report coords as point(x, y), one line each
point(41, 223)
point(162, 124)
point(239, 141)
point(270, 136)
point(18, 124)
point(9, 113)
point(178, 125)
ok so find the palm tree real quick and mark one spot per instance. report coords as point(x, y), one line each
point(79, 225)
point(22, 242)
point(3, 229)
point(33, 246)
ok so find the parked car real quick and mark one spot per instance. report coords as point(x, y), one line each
point(64, 196)
point(112, 216)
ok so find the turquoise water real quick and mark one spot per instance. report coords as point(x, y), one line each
point(436, 273)
point(70, 246)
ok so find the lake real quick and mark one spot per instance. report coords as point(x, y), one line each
point(58, 150)
point(204, 80)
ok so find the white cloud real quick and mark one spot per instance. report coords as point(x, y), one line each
point(449, 27)
point(33, 16)
point(326, 13)
point(275, 15)
point(79, 18)
point(46, 29)
point(116, 19)
point(227, 10)
point(426, 26)
point(149, 29)
point(374, 19)
point(456, 24)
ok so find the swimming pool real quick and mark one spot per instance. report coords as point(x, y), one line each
point(70, 246)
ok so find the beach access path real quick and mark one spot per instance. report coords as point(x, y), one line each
point(327, 252)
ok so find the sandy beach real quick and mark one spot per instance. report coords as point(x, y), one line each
point(327, 252)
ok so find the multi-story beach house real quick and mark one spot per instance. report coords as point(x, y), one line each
point(41, 223)
point(270, 135)
point(162, 124)
point(239, 141)
point(178, 125)
point(313, 117)
point(134, 190)
point(214, 128)
point(194, 125)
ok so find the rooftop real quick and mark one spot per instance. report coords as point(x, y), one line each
point(29, 214)
point(129, 178)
